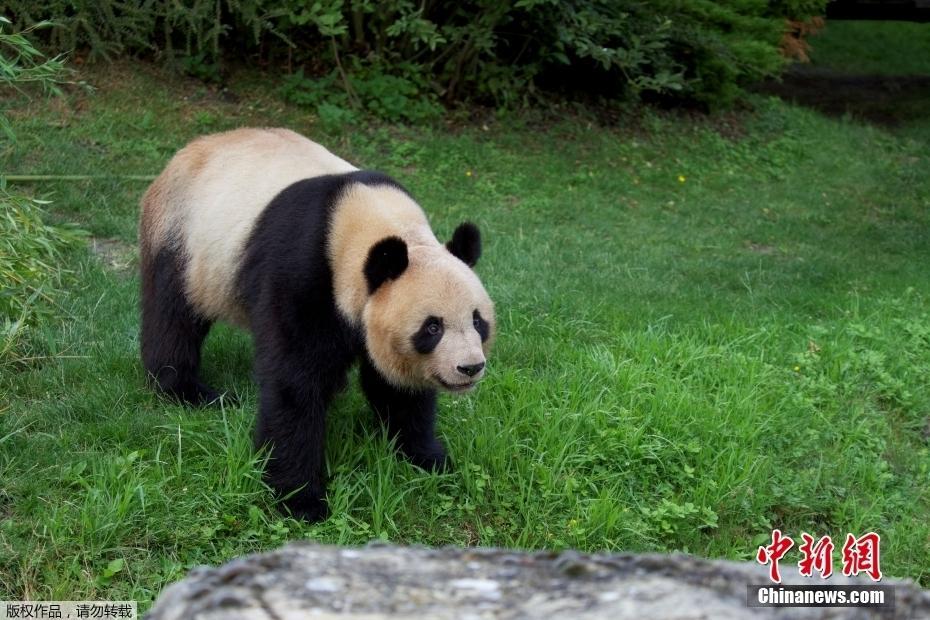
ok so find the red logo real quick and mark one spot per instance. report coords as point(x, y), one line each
point(860, 555)
point(817, 556)
point(773, 553)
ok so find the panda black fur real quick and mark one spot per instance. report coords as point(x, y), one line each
point(325, 264)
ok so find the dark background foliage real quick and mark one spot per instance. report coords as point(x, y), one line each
point(402, 59)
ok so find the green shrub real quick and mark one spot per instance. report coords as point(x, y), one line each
point(386, 96)
point(21, 64)
point(30, 270)
point(399, 52)
point(30, 250)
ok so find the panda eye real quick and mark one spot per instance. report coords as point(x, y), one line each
point(428, 336)
point(481, 326)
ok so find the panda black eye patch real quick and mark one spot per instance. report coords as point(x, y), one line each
point(429, 335)
point(481, 326)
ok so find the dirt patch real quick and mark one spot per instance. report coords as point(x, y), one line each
point(760, 248)
point(115, 254)
point(889, 101)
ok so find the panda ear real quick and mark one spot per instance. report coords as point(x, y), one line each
point(466, 243)
point(386, 260)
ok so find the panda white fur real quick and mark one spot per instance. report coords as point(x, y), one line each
point(324, 263)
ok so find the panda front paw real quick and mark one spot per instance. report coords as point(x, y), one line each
point(434, 461)
point(307, 507)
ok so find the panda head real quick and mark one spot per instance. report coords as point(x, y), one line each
point(428, 321)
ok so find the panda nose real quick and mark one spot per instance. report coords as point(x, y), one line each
point(471, 370)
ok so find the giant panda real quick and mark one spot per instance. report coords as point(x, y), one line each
point(325, 264)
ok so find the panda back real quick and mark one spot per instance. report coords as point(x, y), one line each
point(210, 196)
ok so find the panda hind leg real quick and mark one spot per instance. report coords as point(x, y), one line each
point(172, 332)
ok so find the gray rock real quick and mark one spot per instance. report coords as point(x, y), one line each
point(303, 580)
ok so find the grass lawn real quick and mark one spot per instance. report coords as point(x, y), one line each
point(879, 71)
point(884, 48)
point(708, 328)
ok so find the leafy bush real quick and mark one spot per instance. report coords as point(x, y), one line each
point(30, 269)
point(392, 53)
point(386, 96)
point(30, 250)
point(21, 64)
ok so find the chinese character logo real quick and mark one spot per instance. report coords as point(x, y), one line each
point(773, 553)
point(860, 555)
point(816, 556)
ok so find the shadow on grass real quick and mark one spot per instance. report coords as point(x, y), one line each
point(884, 100)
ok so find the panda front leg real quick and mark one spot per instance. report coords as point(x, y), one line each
point(296, 387)
point(292, 426)
point(410, 418)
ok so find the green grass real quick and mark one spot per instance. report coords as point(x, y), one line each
point(883, 48)
point(876, 71)
point(701, 338)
